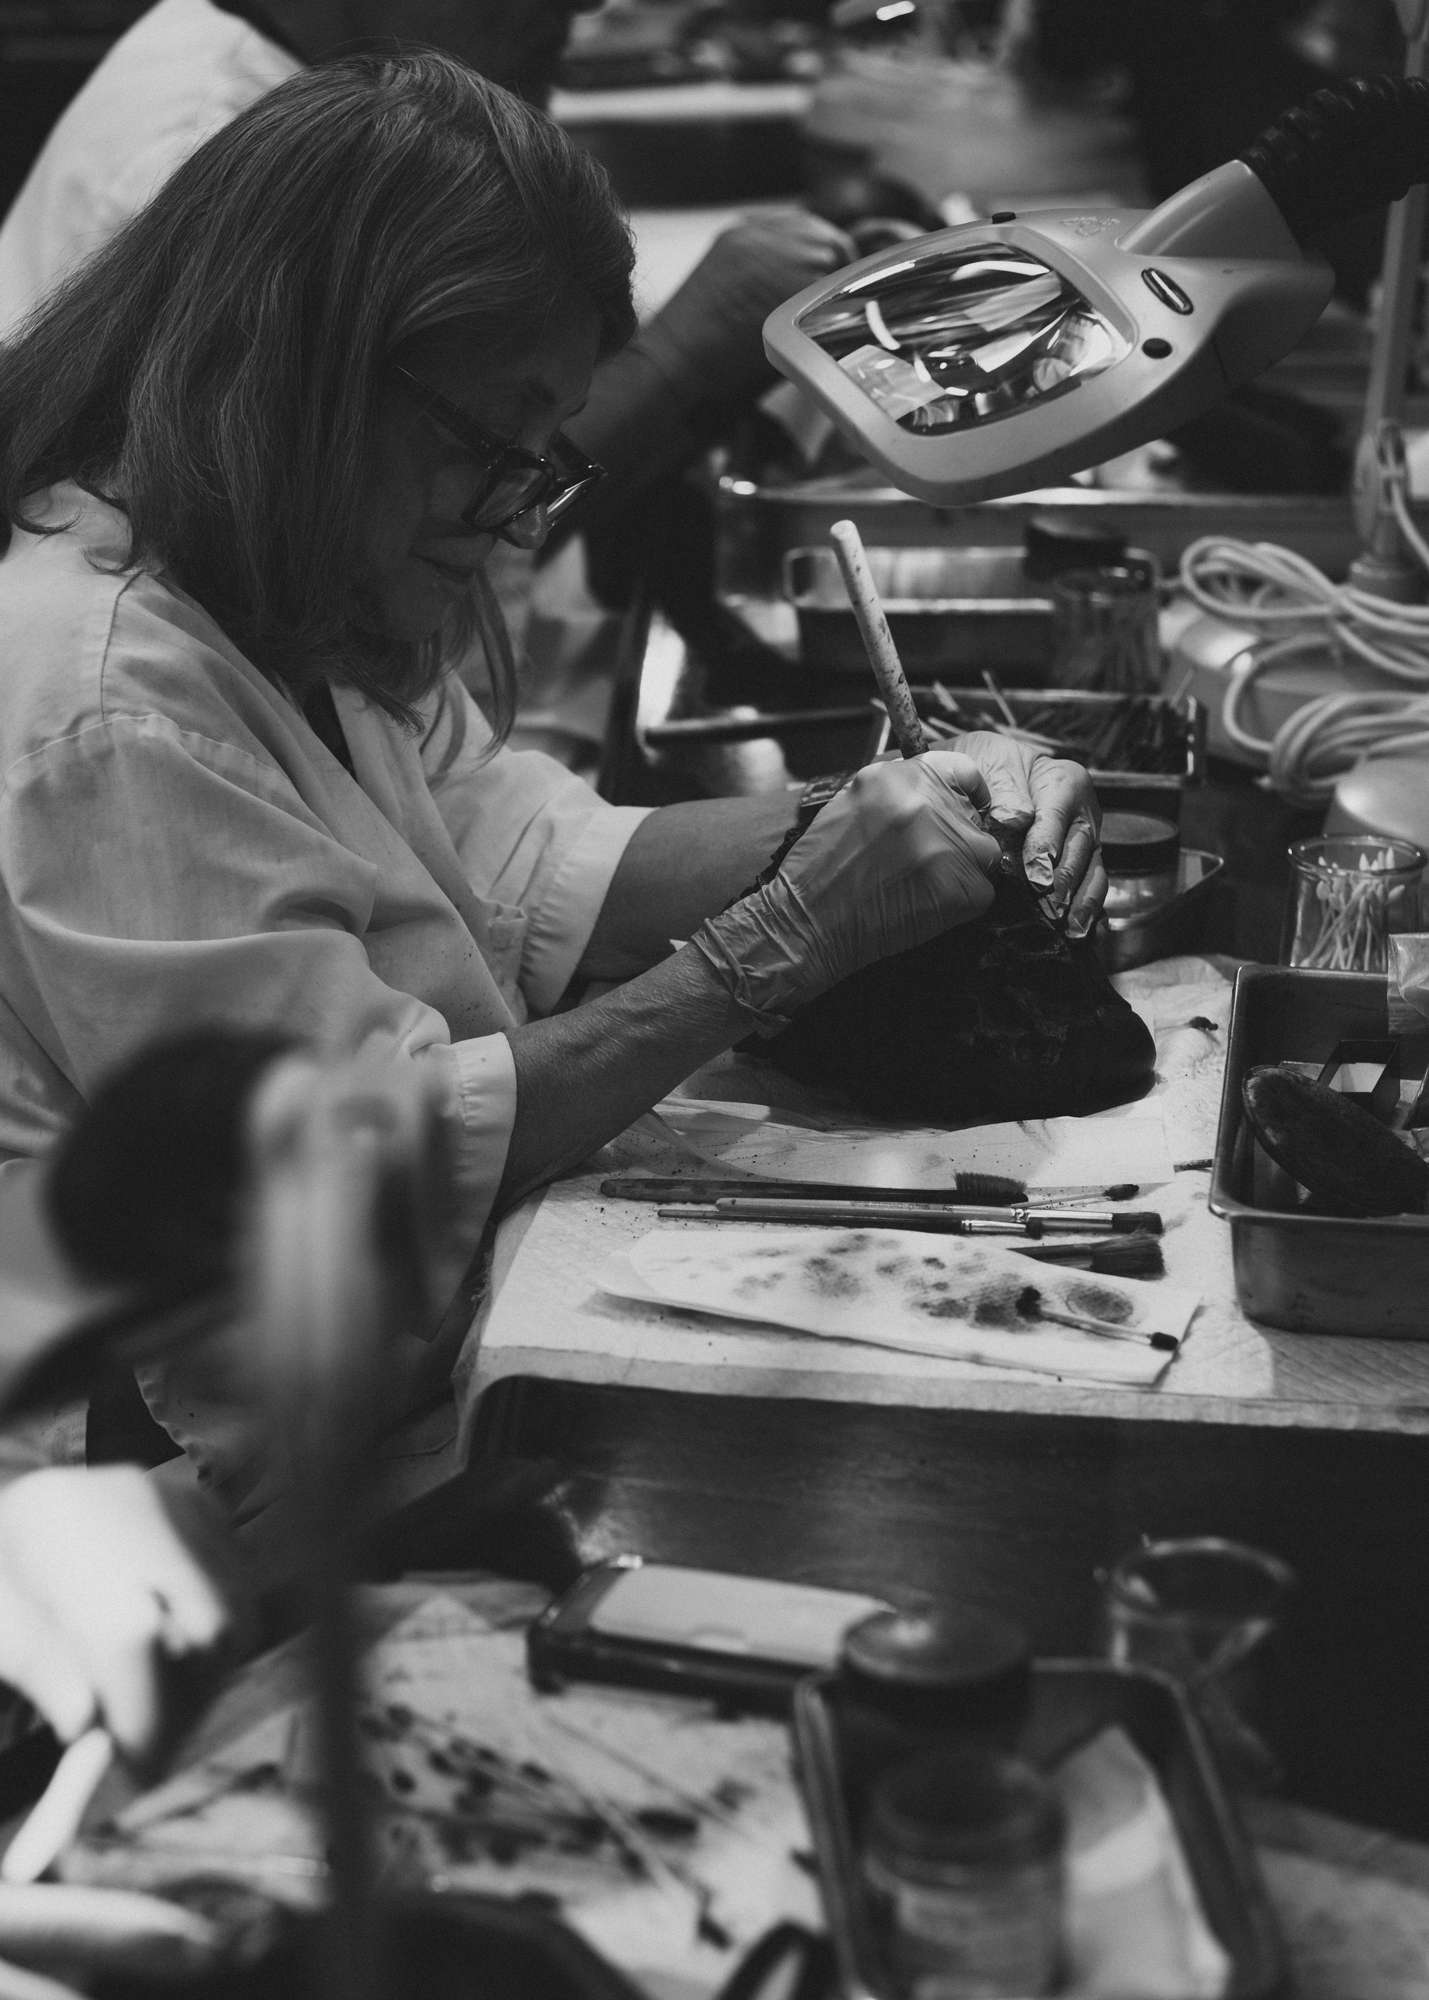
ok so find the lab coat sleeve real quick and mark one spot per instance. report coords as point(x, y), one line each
point(530, 834)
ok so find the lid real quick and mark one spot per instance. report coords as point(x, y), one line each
point(962, 1803)
point(974, 1666)
point(1139, 843)
point(1054, 542)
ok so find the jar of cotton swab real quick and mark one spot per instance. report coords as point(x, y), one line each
point(1348, 895)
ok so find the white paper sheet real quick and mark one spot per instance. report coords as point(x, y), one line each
point(1124, 1145)
point(942, 1296)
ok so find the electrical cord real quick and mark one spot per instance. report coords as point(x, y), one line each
point(1303, 614)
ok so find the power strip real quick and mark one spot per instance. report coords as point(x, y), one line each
point(1202, 651)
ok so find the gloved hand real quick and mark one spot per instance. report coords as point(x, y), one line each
point(707, 342)
point(897, 857)
point(1053, 800)
point(98, 1587)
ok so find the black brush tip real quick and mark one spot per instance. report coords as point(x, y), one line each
point(994, 1189)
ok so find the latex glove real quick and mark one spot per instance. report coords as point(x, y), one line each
point(707, 342)
point(98, 1587)
point(1053, 800)
point(899, 856)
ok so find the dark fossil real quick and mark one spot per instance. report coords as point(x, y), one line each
point(1347, 1162)
point(1002, 1018)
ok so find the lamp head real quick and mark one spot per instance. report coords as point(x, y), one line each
point(998, 356)
point(1001, 355)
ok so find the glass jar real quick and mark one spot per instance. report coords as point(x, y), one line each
point(1142, 854)
point(1348, 895)
point(963, 1862)
point(1106, 631)
point(1206, 1612)
point(949, 1667)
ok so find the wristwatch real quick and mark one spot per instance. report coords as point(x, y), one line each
point(812, 799)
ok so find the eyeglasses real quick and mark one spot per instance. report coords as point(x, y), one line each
point(513, 480)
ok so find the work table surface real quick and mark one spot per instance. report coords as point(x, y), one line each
point(547, 1316)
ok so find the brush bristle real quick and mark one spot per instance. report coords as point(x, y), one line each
point(990, 1188)
point(1138, 1255)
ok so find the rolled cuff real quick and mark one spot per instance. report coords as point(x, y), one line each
point(560, 928)
point(482, 1115)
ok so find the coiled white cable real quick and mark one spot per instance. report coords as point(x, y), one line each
point(1303, 613)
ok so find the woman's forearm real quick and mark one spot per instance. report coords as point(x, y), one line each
point(583, 1076)
point(682, 864)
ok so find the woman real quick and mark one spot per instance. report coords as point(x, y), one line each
point(255, 455)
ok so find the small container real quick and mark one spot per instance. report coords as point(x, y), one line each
point(963, 1863)
point(1142, 854)
point(1348, 895)
point(1107, 627)
point(1203, 1610)
point(950, 1668)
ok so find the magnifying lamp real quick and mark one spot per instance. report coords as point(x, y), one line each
point(1002, 355)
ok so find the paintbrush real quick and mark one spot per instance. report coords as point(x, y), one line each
point(1135, 1256)
point(1032, 1305)
point(994, 1190)
point(863, 1213)
point(851, 1215)
point(872, 622)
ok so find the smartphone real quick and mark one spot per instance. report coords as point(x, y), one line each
point(741, 1640)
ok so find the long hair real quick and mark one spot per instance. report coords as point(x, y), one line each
point(216, 368)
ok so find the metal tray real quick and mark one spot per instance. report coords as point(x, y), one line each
point(951, 612)
point(1312, 1273)
point(1071, 1701)
point(758, 518)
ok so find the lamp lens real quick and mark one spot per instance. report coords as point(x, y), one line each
point(963, 336)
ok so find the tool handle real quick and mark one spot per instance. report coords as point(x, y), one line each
point(872, 622)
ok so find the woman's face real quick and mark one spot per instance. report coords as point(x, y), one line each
point(421, 558)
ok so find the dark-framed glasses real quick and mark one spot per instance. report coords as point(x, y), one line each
point(511, 480)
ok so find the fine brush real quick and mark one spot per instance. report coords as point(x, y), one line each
point(860, 1212)
point(998, 1190)
point(851, 1215)
point(1032, 1305)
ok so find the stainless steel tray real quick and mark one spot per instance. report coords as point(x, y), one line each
point(758, 520)
point(951, 612)
point(1312, 1273)
point(1072, 1700)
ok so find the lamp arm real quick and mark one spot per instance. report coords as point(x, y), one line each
point(1351, 147)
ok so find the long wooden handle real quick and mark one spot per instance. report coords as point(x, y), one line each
point(878, 643)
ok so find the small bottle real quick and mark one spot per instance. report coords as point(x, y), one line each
point(963, 1864)
point(950, 1668)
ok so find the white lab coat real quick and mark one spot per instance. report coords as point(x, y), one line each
point(178, 846)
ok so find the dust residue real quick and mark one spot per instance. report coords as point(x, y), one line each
point(1099, 1302)
point(993, 1303)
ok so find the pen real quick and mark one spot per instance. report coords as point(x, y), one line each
point(955, 1218)
point(56, 1817)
